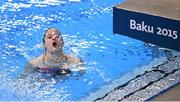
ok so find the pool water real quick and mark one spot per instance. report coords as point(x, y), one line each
point(86, 26)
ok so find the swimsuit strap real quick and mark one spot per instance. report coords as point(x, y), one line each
point(43, 59)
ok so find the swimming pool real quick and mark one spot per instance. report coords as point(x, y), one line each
point(87, 30)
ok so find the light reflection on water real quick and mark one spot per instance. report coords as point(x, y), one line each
point(87, 30)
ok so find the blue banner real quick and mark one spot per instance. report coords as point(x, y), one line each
point(164, 32)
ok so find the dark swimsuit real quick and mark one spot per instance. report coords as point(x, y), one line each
point(55, 70)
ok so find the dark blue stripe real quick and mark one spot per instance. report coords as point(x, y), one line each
point(121, 25)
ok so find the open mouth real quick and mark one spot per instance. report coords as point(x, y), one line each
point(54, 44)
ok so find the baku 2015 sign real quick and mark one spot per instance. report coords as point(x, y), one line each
point(139, 19)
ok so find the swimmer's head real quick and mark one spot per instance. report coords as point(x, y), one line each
point(53, 40)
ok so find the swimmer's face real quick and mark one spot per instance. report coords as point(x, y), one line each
point(53, 41)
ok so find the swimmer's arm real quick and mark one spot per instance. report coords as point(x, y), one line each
point(28, 69)
point(31, 66)
point(37, 61)
point(74, 60)
point(78, 63)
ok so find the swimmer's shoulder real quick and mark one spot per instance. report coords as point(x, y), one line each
point(75, 63)
point(31, 65)
point(73, 59)
point(37, 61)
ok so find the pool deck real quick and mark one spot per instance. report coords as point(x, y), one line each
point(163, 8)
point(171, 94)
point(153, 85)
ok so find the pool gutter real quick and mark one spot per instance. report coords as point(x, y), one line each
point(148, 85)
